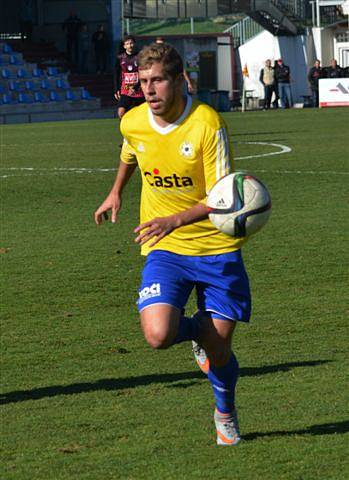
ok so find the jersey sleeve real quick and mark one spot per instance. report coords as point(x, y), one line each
point(128, 154)
point(217, 155)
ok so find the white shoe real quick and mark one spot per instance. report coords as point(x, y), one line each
point(201, 357)
point(227, 427)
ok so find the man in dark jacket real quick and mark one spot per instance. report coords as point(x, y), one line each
point(314, 74)
point(283, 78)
point(334, 70)
point(71, 26)
point(101, 42)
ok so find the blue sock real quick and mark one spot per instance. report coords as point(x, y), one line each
point(223, 381)
point(188, 329)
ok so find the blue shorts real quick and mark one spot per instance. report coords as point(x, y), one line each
point(220, 281)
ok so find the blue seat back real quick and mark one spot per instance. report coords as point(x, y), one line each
point(45, 84)
point(7, 48)
point(5, 73)
point(7, 99)
point(69, 95)
point(37, 73)
point(22, 73)
point(52, 71)
point(38, 97)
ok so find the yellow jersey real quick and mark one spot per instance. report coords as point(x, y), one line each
point(179, 164)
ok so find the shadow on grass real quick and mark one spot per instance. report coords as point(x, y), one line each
point(323, 429)
point(143, 380)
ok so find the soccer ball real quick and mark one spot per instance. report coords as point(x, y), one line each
point(239, 205)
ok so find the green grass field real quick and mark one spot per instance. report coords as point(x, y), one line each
point(84, 397)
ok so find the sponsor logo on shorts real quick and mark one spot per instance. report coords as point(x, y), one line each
point(149, 292)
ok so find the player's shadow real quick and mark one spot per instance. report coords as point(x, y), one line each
point(172, 380)
point(323, 429)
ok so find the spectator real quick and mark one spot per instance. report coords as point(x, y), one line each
point(334, 70)
point(84, 47)
point(127, 89)
point(314, 74)
point(101, 43)
point(283, 78)
point(267, 78)
point(190, 86)
point(72, 26)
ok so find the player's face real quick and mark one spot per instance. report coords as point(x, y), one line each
point(129, 46)
point(162, 93)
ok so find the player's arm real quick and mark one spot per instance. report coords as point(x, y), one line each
point(159, 227)
point(113, 201)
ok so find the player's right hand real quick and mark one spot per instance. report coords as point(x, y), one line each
point(117, 95)
point(111, 203)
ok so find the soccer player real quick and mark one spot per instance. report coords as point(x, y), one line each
point(127, 88)
point(181, 148)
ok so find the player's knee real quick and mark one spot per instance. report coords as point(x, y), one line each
point(157, 338)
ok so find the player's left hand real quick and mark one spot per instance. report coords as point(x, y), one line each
point(156, 229)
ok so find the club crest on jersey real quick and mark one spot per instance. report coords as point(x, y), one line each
point(186, 149)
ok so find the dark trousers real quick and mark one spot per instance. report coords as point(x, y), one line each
point(268, 92)
point(101, 60)
point(315, 97)
point(72, 50)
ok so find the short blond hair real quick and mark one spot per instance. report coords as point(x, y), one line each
point(161, 53)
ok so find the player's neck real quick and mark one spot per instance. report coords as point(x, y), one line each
point(173, 114)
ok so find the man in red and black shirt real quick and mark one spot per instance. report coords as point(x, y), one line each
point(127, 89)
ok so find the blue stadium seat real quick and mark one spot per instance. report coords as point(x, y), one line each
point(2, 89)
point(37, 73)
point(54, 97)
point(7, 48)
point(15, 86)
point(7, 99)
point(30, 85)
point(39, 98)
point(45, 84)
point(22, 73)
point(24, 98)
point(14, 60)
point(69, 95)
point(85, 95)
point(52, 72)
point(6, 73)
point(2, 61)
point(61, 83)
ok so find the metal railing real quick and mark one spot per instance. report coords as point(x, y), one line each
point(243, 31)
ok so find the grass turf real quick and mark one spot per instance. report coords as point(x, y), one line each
point(83, 395)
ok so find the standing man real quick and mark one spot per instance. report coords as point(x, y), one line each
point(181, 147)
point(267, 78)
point(71, 26)
point(334, 70)
point(101, 43)
point(283, 78)
point(314, 74)
point(127, 88)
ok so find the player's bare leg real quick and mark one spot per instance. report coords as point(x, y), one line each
point(121, 112)
point(223, 373)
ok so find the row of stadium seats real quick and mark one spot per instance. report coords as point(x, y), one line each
point(34, 85)
point(7, 73)
point(11, 60)
point(39, 97)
